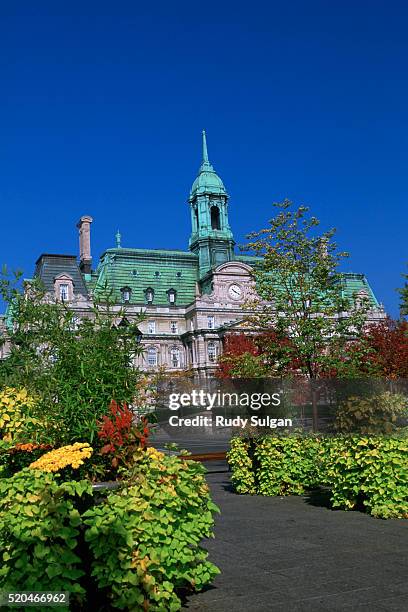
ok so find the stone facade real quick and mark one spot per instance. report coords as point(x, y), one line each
point(190, 299)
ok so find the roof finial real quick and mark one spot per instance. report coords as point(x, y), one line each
point(205, 152)
point(118, 239)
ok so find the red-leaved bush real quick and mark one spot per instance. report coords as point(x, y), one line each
point(120, 433)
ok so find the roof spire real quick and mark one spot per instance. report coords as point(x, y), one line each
point(205, 152)
point(118, 240)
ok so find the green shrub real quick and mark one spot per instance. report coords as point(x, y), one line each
point(242, 477)
point(371, 415)
point(287, 465)
point(370, 471)
point(39, 530)
point(140, 544)
point(366, 472)
point(145, 538)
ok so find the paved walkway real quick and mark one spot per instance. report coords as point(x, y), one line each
point(289, 554)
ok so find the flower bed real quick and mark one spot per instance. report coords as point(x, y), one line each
point(135, 547)
point(371, 472)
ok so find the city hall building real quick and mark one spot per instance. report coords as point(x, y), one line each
point(191, 298)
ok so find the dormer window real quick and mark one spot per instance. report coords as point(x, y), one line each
point(149, 294)
point(126, 293)
point(172, 296)
point(64, 288)
point(361, 299)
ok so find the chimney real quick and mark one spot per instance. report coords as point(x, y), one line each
point(85, 259)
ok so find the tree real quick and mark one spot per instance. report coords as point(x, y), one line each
point(386, 349)
point(74, 368)
point(404, 297)
point(241, 358)
point(300, 293)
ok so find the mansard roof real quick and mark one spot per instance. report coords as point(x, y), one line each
point(49, 266)
point(142, 269)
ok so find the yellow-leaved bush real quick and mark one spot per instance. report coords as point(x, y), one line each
point(137, 547)
point(15, 413)
point(145, 538)
point(72, 455)
point(361, 471)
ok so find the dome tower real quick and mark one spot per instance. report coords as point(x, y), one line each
point(211, 236)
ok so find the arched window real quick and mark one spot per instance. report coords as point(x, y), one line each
point(152, 356)
point(172, 294)
point(175, 357)
point(212, 352)
point(149, 295)
point(215, 218)
point(196, 218)
point(126, 293)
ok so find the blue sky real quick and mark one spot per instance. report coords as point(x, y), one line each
point(103, 104)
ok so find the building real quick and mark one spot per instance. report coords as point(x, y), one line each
point(191, 298)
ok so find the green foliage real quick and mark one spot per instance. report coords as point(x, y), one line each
point(244, 366)
point(39, 531)
point(242, 477)
point(287, 465)
point(372, 471)
point(300, 294)
point(368, 472)
point(145, 538)
point(140, 543)
point(371, 415)
point(74, 367)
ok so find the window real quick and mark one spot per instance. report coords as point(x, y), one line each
point(212, 352)
point(172, 296)
point(151, 327)
point(134, 272)
point(215, 218)
point(157, 273)
point(175, 357)
point(178, 274)
point(173, 327)
point(210, 322)
point(149, 294)
point(63, 287)
point(152, 356)
point(63, 292)
point(126, 292)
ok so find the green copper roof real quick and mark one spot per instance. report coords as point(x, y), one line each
point(356, 283)
point(142, 269)
point(207, 180)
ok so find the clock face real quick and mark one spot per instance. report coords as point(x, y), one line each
point(235, 291)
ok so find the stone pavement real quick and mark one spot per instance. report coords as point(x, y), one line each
point(294, 554)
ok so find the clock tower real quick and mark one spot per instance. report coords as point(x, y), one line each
point(211, 235)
